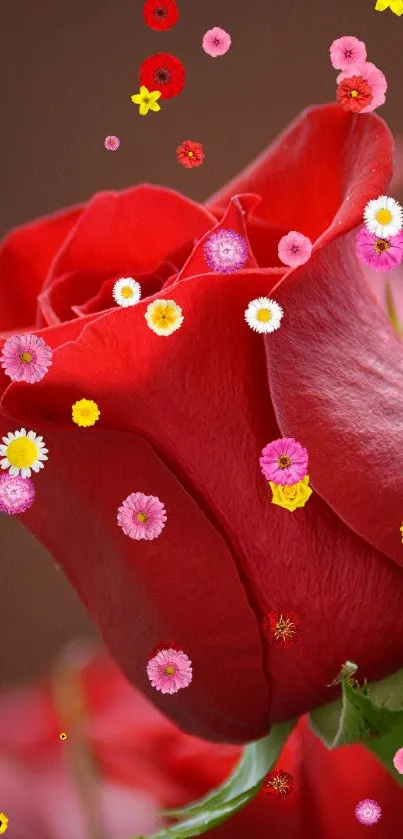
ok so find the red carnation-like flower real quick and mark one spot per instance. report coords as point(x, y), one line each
point(163, 72)
point(281, 627)
point(278, 783)
point(190, 154)
point(354, 94)
point(160, 14)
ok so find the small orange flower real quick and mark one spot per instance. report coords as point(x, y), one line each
point(190, 154)
point(354, 94)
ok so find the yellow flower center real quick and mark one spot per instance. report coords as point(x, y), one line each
point(127, 292)
point(354, 93)
point(26, 357)
point(190, 154)
point(170, 670)
point(290, 491)
point(283, 461)
point(22, 452)
point(284, 628)
point(381, 245)
point(141, 517)
point(164, 316)
point(384, 216)
point(263, 315)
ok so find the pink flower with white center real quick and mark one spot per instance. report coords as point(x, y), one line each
point(16, 494)
point(368, 811)
point(376, 81)
point(169, 671)
point(225, 251)
point(142, 516)
point(380, 254)
point(284, 461)
point(216, 42)
point(294, 249)
point(111, 142)
point(398, 761)
point(26, 358)
point(348, 53)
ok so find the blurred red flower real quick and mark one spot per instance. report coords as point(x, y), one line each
point(163, 72)
point(160, 14)
point(190, 154)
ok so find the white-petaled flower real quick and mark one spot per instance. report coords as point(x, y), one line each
point(164, 316)
point(23, 452)
point(383, 217)
point(263, 315)
point(126, 292)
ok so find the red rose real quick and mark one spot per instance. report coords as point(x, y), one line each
point(186, 418)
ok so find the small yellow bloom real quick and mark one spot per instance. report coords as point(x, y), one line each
point(401, 530)
point(147, 99)
point(164, 316)
point(3, 822)
point(85, 412)
point(62, 735)
point(293, 496)
point(396, 6)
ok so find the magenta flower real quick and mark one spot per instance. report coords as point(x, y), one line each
point(216, 42)
point(111, 142)
point(294, 249)
point(368, 811)
point(376, 81)
point(284, 461)
point(380, 254)
point(170, 670)
point(142, 516)
point(225, 251)
point(348, 54)
point(26, 358)
point(17, 494)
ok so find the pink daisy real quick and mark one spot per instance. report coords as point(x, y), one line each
point(26, 358)
point(170, 670)
point(348, 53)
point(398, 761)
point(216, 42)
point(111, 142)
point(225, 251)
point(376, 81)
point(294, 249)
point(142, 516)
point(284, 461)
point(16, 494)
point(380, 254)
point(368, 811)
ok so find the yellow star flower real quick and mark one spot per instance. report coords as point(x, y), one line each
point(148, 99)
point(293, 496)
point(396, 6)
point(3, 822)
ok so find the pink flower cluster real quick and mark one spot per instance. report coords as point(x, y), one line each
point(361, 85)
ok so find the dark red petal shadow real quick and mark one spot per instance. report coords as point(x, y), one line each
point(201, 398)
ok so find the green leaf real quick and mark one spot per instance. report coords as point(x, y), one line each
point(240, 788)
point(371, 714)
point(391, 309)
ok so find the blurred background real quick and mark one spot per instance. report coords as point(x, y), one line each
point(68, 72)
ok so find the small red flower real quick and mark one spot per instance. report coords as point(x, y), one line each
point(190, 154)
point(163, 72)
point(354, 94)
point(163, 645)
point(278, 783)
point(281, 627)
point(160, 14)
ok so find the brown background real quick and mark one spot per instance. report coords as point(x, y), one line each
point(68, 71)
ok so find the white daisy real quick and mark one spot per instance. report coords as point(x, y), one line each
point(164, 316)
point(383, 217)
point(126, 292)
point(263, 315)
point(22, 453)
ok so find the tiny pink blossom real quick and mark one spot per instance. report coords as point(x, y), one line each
point(376, 81)
point(26, 358)
point(170, 670)
point(368, 811)
point(284, 461)
point(17, 494)
point(294, 249)
point(142, 516)
point(380, 254)
point(398, 761)
point(111, 142)
point(348, 53)
point(216, 42)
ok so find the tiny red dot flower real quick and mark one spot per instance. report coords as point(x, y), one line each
point(278, 783)
point(190, 154)
point(281, 627)
point(164, 645)
point(160, 14)
point(163, 72)
point(354, 94)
